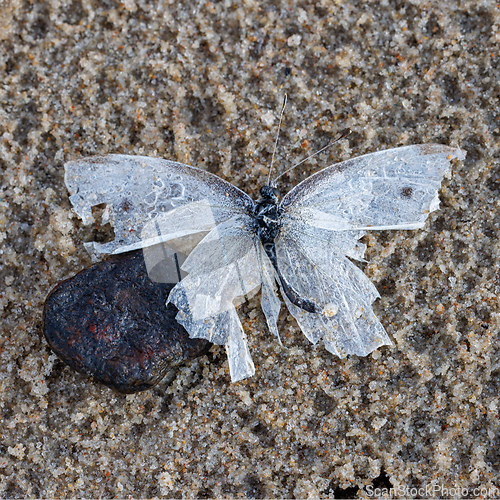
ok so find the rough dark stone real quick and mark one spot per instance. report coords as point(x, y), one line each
point(110, 321)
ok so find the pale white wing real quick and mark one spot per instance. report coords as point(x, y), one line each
point(222, 269)
point(193, 228)
point(224, 329)
point(269, 301)
point(323, 218)
point(240, 362)
point(392, 189)
point(139, 189)
point(318, 271)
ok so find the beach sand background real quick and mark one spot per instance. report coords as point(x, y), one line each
point(202, 83)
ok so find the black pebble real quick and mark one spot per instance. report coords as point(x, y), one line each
point(110, 321)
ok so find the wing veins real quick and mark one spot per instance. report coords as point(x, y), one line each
point(324, 201)
point(331, 278)
point(315, 267)
point(211, 205)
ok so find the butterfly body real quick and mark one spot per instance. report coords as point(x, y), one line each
point(266, 213)
point(222, 246)
point(267, 217)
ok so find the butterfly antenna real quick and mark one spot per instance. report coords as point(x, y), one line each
point(343, 135)
point(276, 141)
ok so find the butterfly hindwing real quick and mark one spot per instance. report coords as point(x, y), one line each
point(320, 272)
point(222, 269)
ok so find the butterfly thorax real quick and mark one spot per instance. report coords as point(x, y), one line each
point(266, 214)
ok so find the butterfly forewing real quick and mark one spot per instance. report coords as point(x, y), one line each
point(139, 189)
point(392, 189)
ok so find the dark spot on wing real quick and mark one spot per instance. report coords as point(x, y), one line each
point(406, 192)
point(176, 190)
point(125, 206)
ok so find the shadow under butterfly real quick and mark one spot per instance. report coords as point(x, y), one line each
point(220, 246)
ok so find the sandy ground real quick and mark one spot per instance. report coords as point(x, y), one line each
point(202, 83)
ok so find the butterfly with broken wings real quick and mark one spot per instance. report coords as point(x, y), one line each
point(220, 246)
